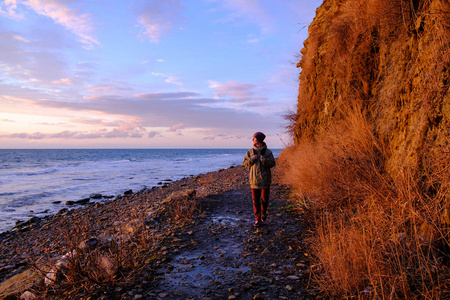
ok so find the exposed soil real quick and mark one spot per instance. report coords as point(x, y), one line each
point(220, 254)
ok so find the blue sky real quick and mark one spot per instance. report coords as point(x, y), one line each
point(148, 73)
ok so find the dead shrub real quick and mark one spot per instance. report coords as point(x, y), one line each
point(93, 261)
point(181, 205)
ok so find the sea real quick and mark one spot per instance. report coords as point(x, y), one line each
point(39, 182)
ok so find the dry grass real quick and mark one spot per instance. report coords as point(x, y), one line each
point(373, 237)
point(123, 250)
point(94, 261)
point(371, 159)
point(182, 205)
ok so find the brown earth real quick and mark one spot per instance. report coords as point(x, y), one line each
point(218, 254)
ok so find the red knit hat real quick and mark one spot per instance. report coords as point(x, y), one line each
point(260, 136)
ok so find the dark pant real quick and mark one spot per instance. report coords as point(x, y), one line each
point(260, 202)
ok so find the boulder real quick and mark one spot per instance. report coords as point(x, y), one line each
point(83, 201)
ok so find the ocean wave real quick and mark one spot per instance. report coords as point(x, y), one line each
point(50, 175)
point(41, 172)
point(7, 194)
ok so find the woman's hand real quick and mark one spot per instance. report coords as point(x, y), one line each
point(255, 157)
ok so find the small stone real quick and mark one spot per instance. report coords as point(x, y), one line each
point(62, 211)
point(257, 296)
point(293, 277)
point(163, 295)
point(28, 296)
point(232, 297)
point(289, 288)
point(137, 296)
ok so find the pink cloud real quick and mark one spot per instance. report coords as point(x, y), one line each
point(176, 127)
point(120, 132)
point(240, 92)
point(79, 24)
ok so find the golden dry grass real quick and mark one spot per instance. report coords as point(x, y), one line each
point(372, 237)
point(371, 159)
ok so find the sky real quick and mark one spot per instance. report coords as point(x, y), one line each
point(149, 73)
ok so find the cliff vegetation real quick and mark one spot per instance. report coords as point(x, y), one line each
point(370, 160)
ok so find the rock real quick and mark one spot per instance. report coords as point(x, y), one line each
point(107, 265)
point(133, 226)
point(70, 202)
point(129, 192)
point(83, 201)
point(62, 211)
point(28, 296)
point(96, 196)
point(56, 202)
point(55, 273)
point(289, 288)
point(91, 243)
point(257, 297)
point(293, 277)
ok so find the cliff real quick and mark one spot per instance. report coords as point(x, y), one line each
point(371, 141)
point(391, 58)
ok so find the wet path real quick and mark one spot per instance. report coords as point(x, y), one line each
point(224, 257)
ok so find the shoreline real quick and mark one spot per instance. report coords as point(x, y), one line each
point(216, 246)
point(45, 223)
point(48, 185)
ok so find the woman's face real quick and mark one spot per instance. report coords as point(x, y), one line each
point(255, 142)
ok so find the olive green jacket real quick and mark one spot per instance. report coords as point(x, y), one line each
point(260, 174)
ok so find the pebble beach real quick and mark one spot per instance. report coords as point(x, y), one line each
point(195, 240)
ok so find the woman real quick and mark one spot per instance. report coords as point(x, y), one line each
point(260, 159)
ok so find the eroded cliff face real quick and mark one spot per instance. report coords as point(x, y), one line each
point(391, 59)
